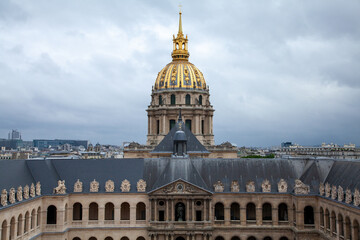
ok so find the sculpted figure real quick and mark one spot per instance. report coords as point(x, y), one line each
point(250, 186)
point(301, 188)
point(333, 192)
point(94, 186)
point(356, 198)
point(38, 189)
point(235, 187)
point(32, 190)
point(4, 197)
point(282, 186)
point(218, 186)
point(12, 195)
point(78, 186)
point(321, 189)
point(19, 196)
point(340, 194)
point(60, 189)
point(266, 186)
point(348, 197)
point(327, 190)
point(109, 186)
point(125, 186)
point(26, 192)
point(141, 186)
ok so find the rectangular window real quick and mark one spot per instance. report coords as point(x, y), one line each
point(202, 127)
point(161, 216)
point(188, 124)
point(198, 215)
point(158, 126)
point(172, 124)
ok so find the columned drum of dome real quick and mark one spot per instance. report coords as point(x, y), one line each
point(180, 85)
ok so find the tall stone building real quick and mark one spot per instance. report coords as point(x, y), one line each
point(178, 197)
point(180, 85)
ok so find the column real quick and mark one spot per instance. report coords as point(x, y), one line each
point(132, 214)
point(166, 210)
point(243, 215)
point(258, 215)
point(227, 215)
point(193, 209)
point(211, 211)
point(172, 210)
point(299, 219)
point(187, 214)
point(85, 215)
point(317, 217)
point(59, 218)
point(206, 204)
point(101, 218)
point(155, 209)
point(275, 217)
point(163, 125)
point(117, 214)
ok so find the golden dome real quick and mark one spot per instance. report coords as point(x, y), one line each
point(180, 73)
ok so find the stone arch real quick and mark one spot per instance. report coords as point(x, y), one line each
point(125, 211)
point(327, 219)
point(77, 211)
point(12, 228)
point(341, 225)
point(267, 238)
point(38, 216)
point(309, 215)
point(32, 220)
point(140, 238)
point(4, 230)
point(108, 238)
point(51, 215)
point(266, 212)
point(76, 238)
point(124, 238)
point(250, 212)
point(180, 238)
point(235, 211)
point(92, 238)
point(109, 211)
point(219, 238)
point(140, 211)
point(348, 234)
point(251, 238)
point(283, 238)
point(356, 230)
point(283, 212)
point(19, 225)
point(333, 222)
point(235, 238)
point(93, 211)
point(322, 217)
point(219, 211)
point(26, 223)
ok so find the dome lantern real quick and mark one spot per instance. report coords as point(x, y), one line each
point(180, 45)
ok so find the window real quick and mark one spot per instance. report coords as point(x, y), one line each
point(77, 211)
point(173, 99)
point(158, 126)
point(161, 215)
point(160, 100)
point(198, 215)
point(51, 215)
point(187, 99)
point(125, 211)
point(202, 127)
point(267, 212)
point(250, 212)
point(308, 215)
point(109, 211)
point(283, 212)
point(93, 211)
point(219, 211)
point(188, 124)
point(200, 100)
point(140, 211)
point(235, 211)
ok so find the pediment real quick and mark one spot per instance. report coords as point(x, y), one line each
point(180, 187)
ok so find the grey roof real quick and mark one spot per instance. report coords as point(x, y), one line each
point(193, 144)
point(158, 172)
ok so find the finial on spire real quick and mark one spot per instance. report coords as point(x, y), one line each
point(180, 23)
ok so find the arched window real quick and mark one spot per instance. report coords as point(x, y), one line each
point(266, 212)
point(51, 215)
point(219, 211)
point(235, 238)
point(4, 230)
point(219, 238)
point(333, 222)
point(283, 212)
point(356, 230)
point(140, 238)
point(140, 211)
point(19, 225)
point(92, 238)
point(341, 225)
point(327, 219)
point(180, 212)
point(348, 234)
point(187, 99)
point(200, 100)
point(77, 211)
point(32, 222)
point(93, 211)
point(38, 217)
point(250, 212)
point(267, 238)
point(235, 211)
point(109, 211)
point(124, 238)
point(76, 238)
point(308, 215)
point(321, 217)
point(283, 238)
point(251, 238)
point(12, 228)
point(160, 100)
point(172, 99)
point(125, 211)
point(109, 238)
point(26, 224)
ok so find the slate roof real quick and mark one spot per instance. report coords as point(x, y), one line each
point(158, 172)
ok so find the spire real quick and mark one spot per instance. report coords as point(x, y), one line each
point(180, 44)
point(180, 24)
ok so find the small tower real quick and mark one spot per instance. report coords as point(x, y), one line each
point(180, 140)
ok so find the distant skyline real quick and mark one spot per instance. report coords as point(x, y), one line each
point(277, 70)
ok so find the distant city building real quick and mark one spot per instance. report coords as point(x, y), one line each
point(286, 144)
point(14, 135)
point(46, 143)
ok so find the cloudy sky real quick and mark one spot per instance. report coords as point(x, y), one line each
point(279, 70)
